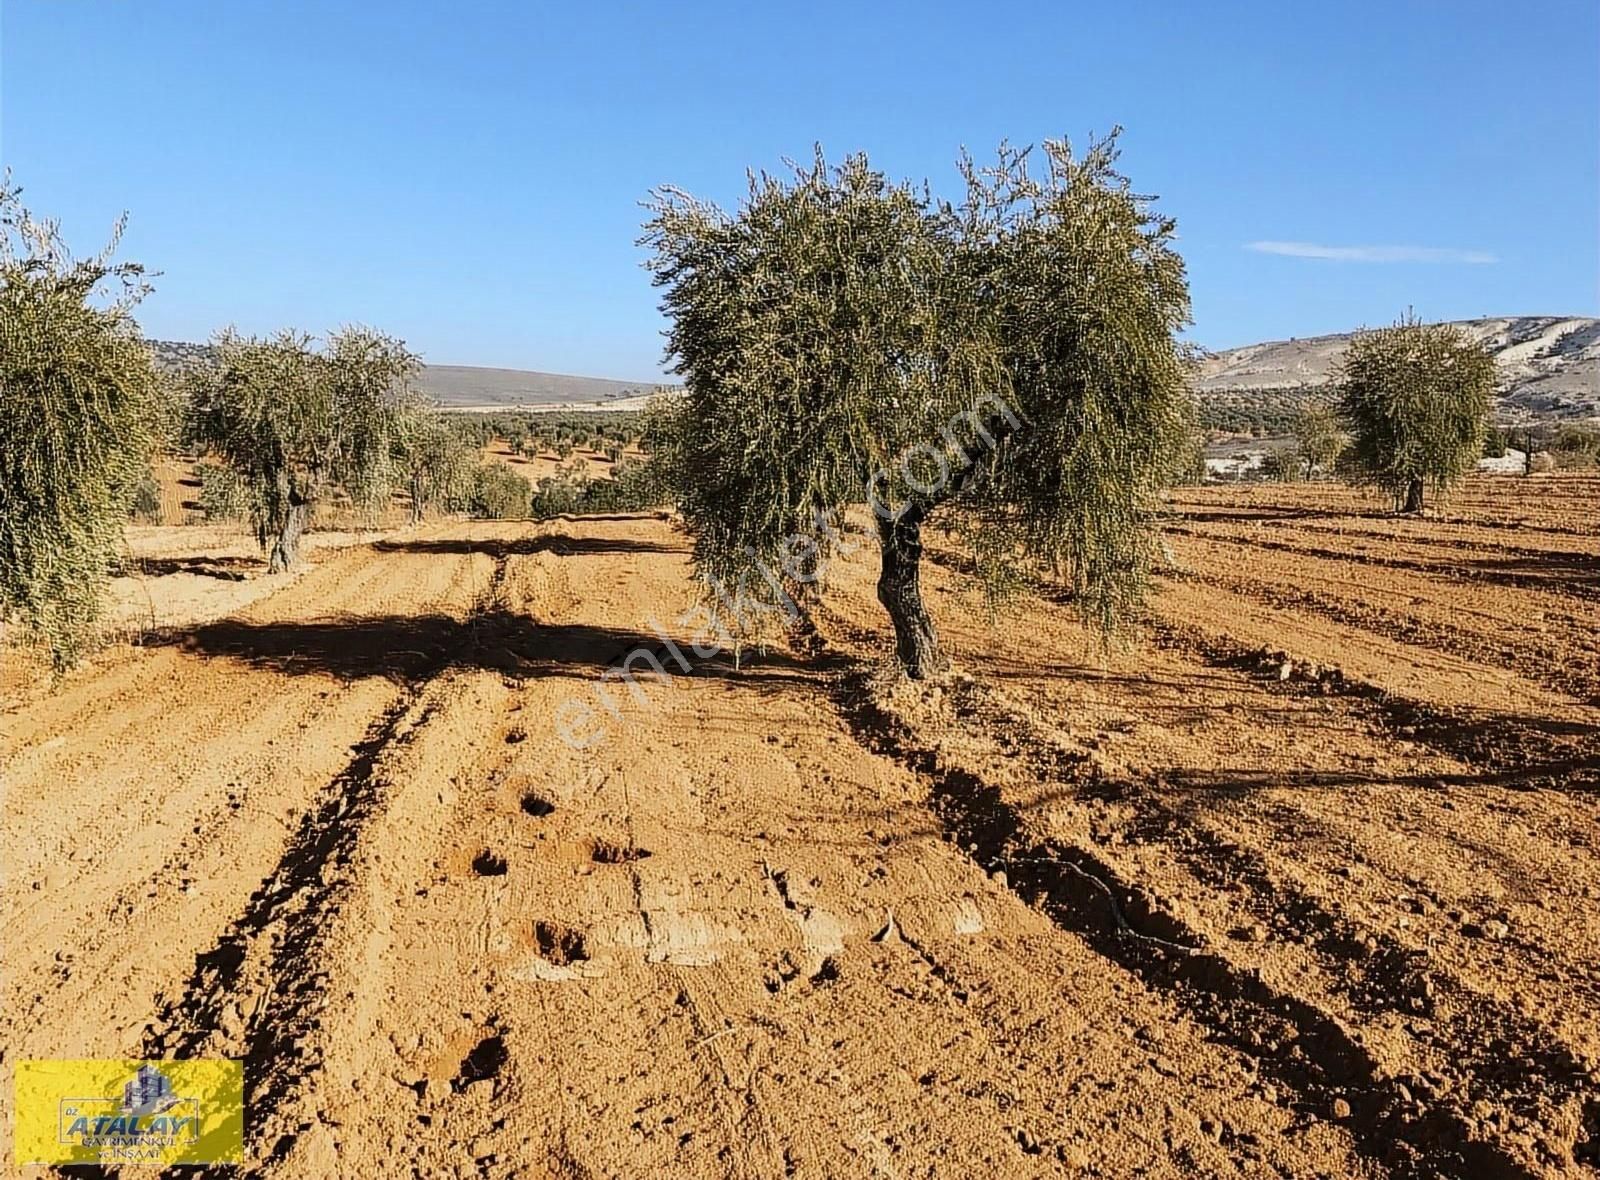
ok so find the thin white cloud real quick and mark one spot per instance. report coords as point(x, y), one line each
point(1371, 253)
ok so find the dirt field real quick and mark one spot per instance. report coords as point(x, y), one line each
point(1306, 882)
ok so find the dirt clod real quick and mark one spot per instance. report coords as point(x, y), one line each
point(485, 1061)
point(610, 852)
point(559, 945)
point(489, 864)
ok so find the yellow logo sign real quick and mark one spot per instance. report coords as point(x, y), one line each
point(127, 1112)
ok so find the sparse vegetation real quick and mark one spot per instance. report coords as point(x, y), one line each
point(76, 391)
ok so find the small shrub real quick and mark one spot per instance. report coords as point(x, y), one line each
point(1576, 446)
point(498, 493)
point(146, 504)
point(224, 495)
point(635, 485)
point(557, 496)
point(1282, 466)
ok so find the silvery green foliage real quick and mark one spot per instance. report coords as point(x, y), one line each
point(1013, 350)
point(433, 460)
point(295, 420)
point(1416, 399)
point(498, 493)
point(76, 387)
point(1319, 440)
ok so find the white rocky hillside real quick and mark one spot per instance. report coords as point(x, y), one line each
point(1549, 365)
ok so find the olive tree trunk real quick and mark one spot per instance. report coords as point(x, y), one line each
point(1413, 495)
point(285, 552)
point(416, 499)
point(900, 591)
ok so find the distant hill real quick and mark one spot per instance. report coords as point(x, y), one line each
point(1549, 371)
point(469, 387)
point(1549, 368)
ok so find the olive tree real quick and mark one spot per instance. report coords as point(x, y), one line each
point(1006, 361)
point(1416, 400)
point(1319, 440)
point(296, 421)
point(77, 386)
point(435, 462)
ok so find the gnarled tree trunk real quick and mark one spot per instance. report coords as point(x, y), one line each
point(900, 591)
point(285, 551)
point(1413, 495)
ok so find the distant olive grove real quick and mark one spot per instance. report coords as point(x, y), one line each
point(1007, 363)
point(277, 426)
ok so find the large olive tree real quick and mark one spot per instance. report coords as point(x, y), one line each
point(1416, 399)
point(1007, 360)
point(77, 388)
point(296, 421)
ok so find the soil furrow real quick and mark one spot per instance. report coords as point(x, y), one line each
point(1511, 750)
point(1321, 1066)
point(268, 957)
point(1548, 662)
point(1580, 583)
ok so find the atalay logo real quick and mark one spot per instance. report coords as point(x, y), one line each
point(129, 1112)
point(150, 1120)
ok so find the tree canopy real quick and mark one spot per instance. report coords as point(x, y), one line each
point(294, 421)
point(1319, 440)
point(1416, 399)
point(1009, 356)
point(76, 389)
point(433, 458)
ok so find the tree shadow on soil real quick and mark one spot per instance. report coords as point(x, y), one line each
point(406, 647)
point(410, 647)
point(526, 546)
point(1577, 574)
point(229, 569)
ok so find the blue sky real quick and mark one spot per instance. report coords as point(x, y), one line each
point(467, 175)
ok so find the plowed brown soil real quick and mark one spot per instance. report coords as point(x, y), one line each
point(1305, 882)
